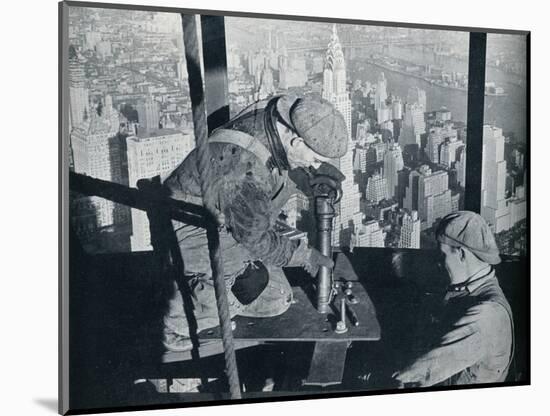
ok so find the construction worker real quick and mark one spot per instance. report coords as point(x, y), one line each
point(252, 156)
point(474, 338)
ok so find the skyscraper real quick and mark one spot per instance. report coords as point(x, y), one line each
point(493, 180)
point(334, 79)
point(393, 163)
point(334, 90)
point(377, 189)
point(436, 138)
point(449, 151)
point(360, 159)
point(409, 236)
point(78, 93)
point(95, 154)
point(150, 154)
point(413, 125)
point(370, 234)
point(381, 94)
point(416, 95)
point(265, 87)
point(148, 114)
point(443, 115)
point(429, 194)
point(397, 109)
point(460, 166)
point(384, 113)
point(362, 131)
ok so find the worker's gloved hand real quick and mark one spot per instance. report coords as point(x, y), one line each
point(327, 169)
point(316, 260)
point(326, 179)
point(310, 259)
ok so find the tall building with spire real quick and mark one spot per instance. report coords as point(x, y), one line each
point(349, 214)
point(334, 79)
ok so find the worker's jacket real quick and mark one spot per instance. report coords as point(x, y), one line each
point(248, 194)
point(476, 338)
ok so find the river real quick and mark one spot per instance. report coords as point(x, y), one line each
point(507, 112)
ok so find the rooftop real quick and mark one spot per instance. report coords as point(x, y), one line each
point(144, 134)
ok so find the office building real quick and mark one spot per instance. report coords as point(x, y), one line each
point(413, 125)
point(377, 189)
point(148, 114)
point(428, 193)
point(369, 234)
point(409, 235)
point(449, 152)
point(153, 153)
point(78, 92)
point(96, 153)
point(393, 163)
point(381, 94)
point(416, 95)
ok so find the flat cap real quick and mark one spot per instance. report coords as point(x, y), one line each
point(318, 122)
point(469, 230)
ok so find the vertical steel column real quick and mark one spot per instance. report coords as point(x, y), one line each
point(324, 213)
point(215, 70)
point(476, 110)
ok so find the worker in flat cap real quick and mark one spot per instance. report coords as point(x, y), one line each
point(474, 338)
point(252, 156)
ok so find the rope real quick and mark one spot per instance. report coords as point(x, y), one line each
point(203, 164)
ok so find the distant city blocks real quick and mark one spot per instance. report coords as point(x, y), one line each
point(130, 118)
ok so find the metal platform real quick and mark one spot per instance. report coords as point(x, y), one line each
point(302, 323)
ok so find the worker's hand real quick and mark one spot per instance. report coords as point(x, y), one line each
point(326, 179)
point(402, 382)
point(316, 260)
point(397, 384)
point(327, 169)
point(309, 258)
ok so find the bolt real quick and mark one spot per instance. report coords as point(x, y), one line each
point(341, 325)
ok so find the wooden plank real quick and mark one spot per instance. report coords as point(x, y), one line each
point(327, 363)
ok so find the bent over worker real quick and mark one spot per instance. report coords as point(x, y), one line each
point(251, 158)
point(474, 343)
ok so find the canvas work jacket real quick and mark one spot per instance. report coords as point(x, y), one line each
point(246, 191)
point(476, 338)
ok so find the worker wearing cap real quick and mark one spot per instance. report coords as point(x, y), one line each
point(475, 341)
point(252, 156)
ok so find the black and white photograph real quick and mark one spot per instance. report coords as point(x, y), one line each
point(265, 207)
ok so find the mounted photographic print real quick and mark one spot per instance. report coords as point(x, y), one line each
point(262, 207)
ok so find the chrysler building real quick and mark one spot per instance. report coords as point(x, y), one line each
point(349, 216)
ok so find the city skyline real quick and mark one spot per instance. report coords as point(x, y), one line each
point(406, 164)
